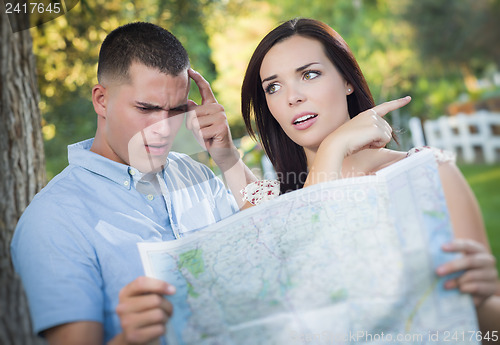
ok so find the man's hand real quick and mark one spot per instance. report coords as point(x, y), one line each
point(143, 310)
point(209, 124)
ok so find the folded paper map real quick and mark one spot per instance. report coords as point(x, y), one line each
point(343, 262)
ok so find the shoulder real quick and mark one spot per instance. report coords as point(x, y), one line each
point(59, 210)
point(385, 157)
point(464, 210)
point(70, 189)
point(50, 195)
point(441, 156)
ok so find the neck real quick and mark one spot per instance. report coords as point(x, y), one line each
point(96, 144)
point(310, 155)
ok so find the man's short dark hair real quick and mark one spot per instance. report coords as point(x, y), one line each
point(144, 43)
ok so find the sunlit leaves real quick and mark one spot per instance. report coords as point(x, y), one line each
point(431, 53)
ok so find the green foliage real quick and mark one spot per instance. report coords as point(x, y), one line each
point(233, 39)
point(457, 32)
point(457, 42)
point(75, 121)
point(433, 51)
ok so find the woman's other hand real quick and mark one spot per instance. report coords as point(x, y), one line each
point(480, 275)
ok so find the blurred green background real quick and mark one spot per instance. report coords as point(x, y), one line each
point(445, 54)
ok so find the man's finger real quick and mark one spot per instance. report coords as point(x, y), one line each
point(144, 334)
point(207, 109)
point(191, 105)
point(144, 285)
point(142, 303)
point(207, 96)
point(387, 107)
point(190, 114)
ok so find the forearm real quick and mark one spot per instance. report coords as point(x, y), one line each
point(120, 340)
point(327, 164)
point(488, 315)
point(75, 333)
point(236, 174)
point(237, 178)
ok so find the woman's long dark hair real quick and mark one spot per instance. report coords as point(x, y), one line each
point(288, 158)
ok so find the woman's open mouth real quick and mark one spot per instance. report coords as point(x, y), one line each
point(304, 121)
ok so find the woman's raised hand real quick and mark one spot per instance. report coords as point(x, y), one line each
point(366, 130)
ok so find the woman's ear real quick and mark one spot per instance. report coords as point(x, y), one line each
point(99, 98)
point(348, 89)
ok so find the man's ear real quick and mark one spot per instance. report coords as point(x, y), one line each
point(99, 99)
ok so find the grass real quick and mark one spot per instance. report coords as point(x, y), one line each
point(485, 182)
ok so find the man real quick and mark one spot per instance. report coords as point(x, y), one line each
point(75, 245)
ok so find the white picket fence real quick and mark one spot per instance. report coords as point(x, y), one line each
point(462, 134)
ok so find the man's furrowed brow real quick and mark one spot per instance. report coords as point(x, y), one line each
point(156, 107)
point(182, 107)
point(148, 106)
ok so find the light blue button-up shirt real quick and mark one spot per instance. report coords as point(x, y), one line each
point(75, 246)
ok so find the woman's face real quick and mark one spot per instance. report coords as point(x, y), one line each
point(304, 91)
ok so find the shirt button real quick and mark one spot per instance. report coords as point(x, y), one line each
point(126, 183)
point(150, 197)
point(131, 171)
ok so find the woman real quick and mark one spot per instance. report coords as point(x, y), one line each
point(317, 121)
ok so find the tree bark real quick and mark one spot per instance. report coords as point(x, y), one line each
point(22, 164)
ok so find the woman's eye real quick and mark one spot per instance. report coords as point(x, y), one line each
point(272, 88)
point(311, 75)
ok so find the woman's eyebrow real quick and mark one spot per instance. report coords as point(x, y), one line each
point(299, 69)
point(274, 76)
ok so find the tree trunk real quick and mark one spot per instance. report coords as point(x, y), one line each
point(22, 165)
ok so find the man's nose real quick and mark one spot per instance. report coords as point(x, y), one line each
point(162, 126)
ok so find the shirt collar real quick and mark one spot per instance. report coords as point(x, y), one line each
point(80, 154)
